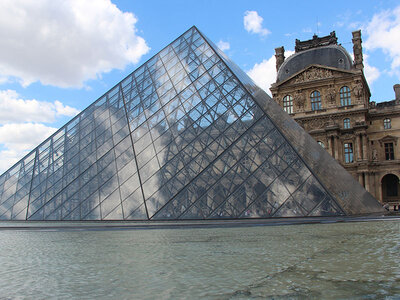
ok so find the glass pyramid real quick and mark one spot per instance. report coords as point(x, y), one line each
point(186, 136)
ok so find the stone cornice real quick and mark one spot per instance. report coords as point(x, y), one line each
point(348, 72)
point(330, 115)
point(380, 114)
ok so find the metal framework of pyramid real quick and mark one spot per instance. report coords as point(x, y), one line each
point(187, 135)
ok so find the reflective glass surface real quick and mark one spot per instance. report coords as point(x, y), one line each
point(179, 138)
point(316, 100)
point(345, 96)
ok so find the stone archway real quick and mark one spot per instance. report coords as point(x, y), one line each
point(390, 188)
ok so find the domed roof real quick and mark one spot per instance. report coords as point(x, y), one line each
point(331, 56)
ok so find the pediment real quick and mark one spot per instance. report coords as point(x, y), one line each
point(388, 138)
point(315, 72)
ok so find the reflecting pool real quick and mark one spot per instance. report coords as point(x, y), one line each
point(340, 260)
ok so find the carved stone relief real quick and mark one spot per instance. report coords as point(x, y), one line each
point(313, 74)
point(301, 123)
point(299, 100)
point(313, 124)
point(374, 154)
point(358, 91)
point(331, 96)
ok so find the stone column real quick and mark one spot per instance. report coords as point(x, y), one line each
point(396, 89)
point(375, 185)
point(280, 57)
point(357, 50)
point(337, 153)
point(358, 147)
point(360, 178)
point(364, 147)
point(328, 145)
point(332, 146)
point(367, 187)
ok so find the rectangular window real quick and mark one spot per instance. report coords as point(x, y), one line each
point(348, 152)
point(387, 124)
point(389, 151)
point(288, 104)
point(346, 123)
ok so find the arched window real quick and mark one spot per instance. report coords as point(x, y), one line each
point(387, 124)
point(316, 100)
point(390, 187)
point(346, 123)
point(345, 96)
point(288, 104)
point(321, 144)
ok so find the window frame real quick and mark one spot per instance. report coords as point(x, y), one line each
point(389, 151)
point(348, 153)
point(345, 96)
point(315, 99)
point(387, 123)
point(288, 104)
point(346, 123)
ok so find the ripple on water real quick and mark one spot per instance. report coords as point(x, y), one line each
point(320, 261)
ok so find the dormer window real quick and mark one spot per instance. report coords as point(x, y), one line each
point(345, 96)
point(316, 100)
point(288, 104)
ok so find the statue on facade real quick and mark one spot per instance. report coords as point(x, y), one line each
point(374, 154)
point(358, 91)
point(331, 96)
point(300, 100)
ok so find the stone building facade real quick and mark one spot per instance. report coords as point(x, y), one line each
point(326, 92)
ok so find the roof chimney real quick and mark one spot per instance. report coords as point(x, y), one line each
point(280, 57)
point(396, 88)
point(357, 50)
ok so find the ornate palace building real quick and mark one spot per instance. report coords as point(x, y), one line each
point(326, 92)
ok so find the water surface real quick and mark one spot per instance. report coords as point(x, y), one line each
point(342, 260)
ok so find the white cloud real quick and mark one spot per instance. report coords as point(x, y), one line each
point(264, 73)
point(24, 136)
point(19, 139)
point(9, 157)
point(65, 43)
point(15, 109)
point(371, 73)
point(223, 45)
point(383, 32)
point(21, 127)
point(64, 110)
point(253, 23)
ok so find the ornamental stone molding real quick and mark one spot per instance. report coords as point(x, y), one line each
point(331, 96)
point(313, 124)
point(300, 100)
point(313, 74)
point(358, 91)
point(374, 154)
point(388, 138)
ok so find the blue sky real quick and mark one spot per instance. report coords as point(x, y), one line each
point(58, 56)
